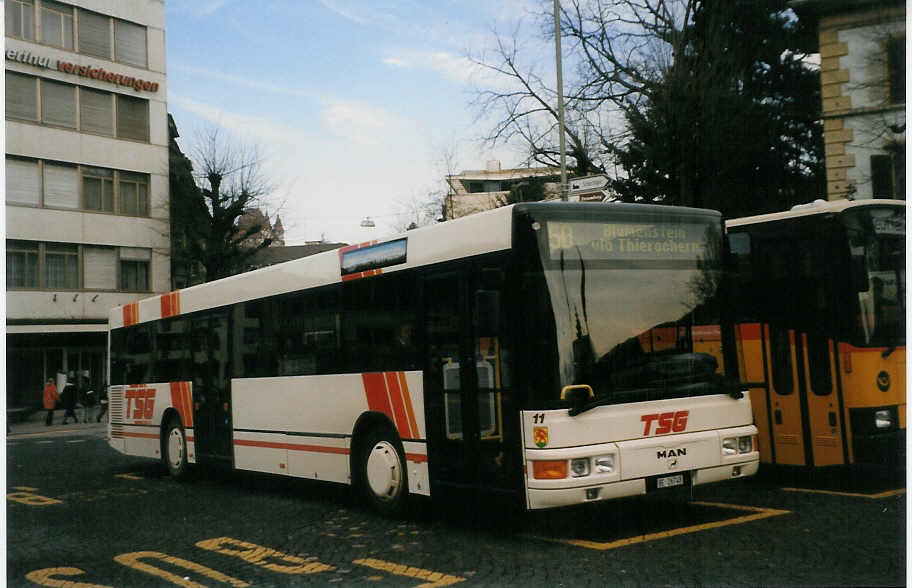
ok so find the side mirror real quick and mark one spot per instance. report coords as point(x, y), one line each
point(577, 396)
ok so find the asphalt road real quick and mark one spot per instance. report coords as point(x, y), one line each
point(80, 514)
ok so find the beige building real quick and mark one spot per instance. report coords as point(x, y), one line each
point(86, 180)
point(863, 78)
point(477, 190)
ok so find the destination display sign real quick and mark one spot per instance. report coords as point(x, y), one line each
point(623, 240)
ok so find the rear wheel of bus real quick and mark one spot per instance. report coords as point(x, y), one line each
point(174, 448)
point(383, 474)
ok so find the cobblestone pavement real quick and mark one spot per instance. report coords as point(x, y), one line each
point(79, 512)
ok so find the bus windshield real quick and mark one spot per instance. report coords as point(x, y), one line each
point(877, 245)
point(633, 303)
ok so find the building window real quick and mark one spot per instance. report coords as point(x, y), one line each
point(61, 186)
point(21, 264)
point(132, 118)
point(21, 96)
point(58, 104)
point(61, 263)
point(56, 24)
point(96, 112)
point(130, 43)
point(98, 189)
point(888, 175)
point(134, 269)
point(20, 19)
point(99, 268)
point(133, 194)
point(94, 34)
point(23, 182)
point(896, 69)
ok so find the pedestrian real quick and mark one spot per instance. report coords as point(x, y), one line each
point(103, 401)
point(51, 398)
point(68, 399)
point(88, 399)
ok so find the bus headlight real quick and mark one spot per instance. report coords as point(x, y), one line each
point(605, 464)
point(883, 419)
point(579, 467)
point(745, 444)
point(730, 446)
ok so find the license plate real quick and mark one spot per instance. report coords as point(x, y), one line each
point(670, 481)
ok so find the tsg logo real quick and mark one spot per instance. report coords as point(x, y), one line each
point(668, 422)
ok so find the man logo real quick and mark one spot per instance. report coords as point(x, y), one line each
point(666, 453)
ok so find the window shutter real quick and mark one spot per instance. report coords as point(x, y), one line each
point(96, 111)
point(130, 43)
point(100, 266)
point(61, 186)
point(58, 104)
point(132, 118)
point(21, 96)
point(94, 34)
point(23, 185)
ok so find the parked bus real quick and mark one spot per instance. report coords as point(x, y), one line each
point(558, 353)
point(821, 293)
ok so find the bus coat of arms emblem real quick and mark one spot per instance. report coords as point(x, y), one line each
point(540, 436)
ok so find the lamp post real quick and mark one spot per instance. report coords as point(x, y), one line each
point(560, 101)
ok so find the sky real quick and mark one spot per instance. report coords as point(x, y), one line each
point(350, 103)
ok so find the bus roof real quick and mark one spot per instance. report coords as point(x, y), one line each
point(484, 232)
point(816, 207)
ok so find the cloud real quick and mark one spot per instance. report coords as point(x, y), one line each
point(243, 81)
point(361, 123)
point(396, 62)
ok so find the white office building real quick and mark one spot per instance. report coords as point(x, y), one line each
point(86, 180)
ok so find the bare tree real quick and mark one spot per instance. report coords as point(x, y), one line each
point(620, 50)
point(229, 177)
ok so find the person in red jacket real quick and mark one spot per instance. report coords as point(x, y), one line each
point(51, 398)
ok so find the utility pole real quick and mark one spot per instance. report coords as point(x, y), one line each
point(560, 102)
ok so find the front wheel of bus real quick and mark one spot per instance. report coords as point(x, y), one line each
point(174, 444)
point(384, 480)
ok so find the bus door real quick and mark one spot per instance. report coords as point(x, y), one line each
point(211, 394)
point(465, 378)
point(806, 419)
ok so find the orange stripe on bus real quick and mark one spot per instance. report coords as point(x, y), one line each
point(375, 390)
point(292, 446)
point(408, 405)
point(416, 457)
point(749, 331)
point(395, 396)
point(170, 304)
point(131, 314)
point(140, 435)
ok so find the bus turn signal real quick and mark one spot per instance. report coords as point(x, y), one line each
point(549, 470)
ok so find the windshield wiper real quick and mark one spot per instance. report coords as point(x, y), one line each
point(889, 350)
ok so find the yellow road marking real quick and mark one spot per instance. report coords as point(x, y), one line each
point(131, 560)
point(46, 577)
point(31, 499)
point(128, 476)
point(434, 578)
point(259, 555)
point(759, 513)
point(23, 435)
point(876, 496)
point(24, 488)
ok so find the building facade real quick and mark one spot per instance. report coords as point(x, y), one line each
point(86, 180)
point(863, 79)
point(474, 191)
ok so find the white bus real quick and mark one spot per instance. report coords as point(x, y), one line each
point(561, 353)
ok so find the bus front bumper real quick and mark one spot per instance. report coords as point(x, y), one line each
point(539, 498)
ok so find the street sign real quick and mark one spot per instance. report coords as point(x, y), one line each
point(588, 184)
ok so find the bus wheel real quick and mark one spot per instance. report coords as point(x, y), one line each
point(384, 480)
point(175, 449)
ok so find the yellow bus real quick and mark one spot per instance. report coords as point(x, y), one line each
point(820, 303)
